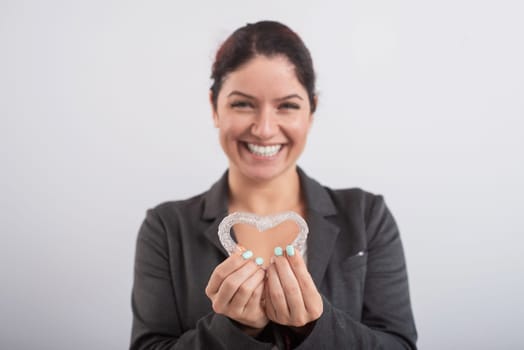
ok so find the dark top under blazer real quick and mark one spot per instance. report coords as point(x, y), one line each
point(365, 295)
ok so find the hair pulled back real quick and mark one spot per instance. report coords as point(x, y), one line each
point(266, 38)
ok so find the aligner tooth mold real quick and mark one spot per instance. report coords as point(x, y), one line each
point(262, 223)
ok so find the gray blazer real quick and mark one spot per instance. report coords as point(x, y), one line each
point(355, 257)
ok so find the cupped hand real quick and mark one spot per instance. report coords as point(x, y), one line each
point(235, 289)
point(291, 297)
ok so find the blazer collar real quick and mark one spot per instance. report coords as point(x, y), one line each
point(320, 206)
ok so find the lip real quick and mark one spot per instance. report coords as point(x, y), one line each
point(264, 144)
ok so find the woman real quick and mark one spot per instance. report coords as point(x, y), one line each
point(353, 291)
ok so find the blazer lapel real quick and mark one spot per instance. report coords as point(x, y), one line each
point(214, 210)
point(322, 232)
point(320, 244)
point(212, 235)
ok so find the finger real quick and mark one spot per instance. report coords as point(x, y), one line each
point(268, 303)
point(276, 295)
point(224, 269)
point(310, 292)
point(255, 300)
point(291, 287)
point(230, 285)
point(246, 290)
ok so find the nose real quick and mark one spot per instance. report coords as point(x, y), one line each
point(265, 124)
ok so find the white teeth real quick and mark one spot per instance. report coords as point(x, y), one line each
point(265, 151)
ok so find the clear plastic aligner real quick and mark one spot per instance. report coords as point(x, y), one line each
point(262, 223)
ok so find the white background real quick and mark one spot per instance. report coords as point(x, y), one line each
point(104, 114)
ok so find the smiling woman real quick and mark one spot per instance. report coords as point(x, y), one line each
point(189, 294)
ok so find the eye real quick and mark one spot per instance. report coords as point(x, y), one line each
point(241, 105)
point(288, 105)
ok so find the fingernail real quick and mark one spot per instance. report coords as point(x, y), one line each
point(247, 254)
point(278, 251)
point(290, 250)
point(259, 261)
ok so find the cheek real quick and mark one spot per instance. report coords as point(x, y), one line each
point(234, 127)
point(300, 131)
point(229, 132)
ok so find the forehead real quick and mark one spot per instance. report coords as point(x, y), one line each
point(264, 75)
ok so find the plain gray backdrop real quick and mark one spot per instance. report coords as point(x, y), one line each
point(104, 113)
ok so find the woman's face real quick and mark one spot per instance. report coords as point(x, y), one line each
point(263, 115)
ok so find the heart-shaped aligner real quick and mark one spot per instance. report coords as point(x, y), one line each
point(262, 223)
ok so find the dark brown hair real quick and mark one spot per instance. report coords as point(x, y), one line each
point(267, 38)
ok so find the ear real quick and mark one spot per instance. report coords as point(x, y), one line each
point(315, 101)
point(312, 114)
point(213, 109)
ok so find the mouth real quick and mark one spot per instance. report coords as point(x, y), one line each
point(264, 151)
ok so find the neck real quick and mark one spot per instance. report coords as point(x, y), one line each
point(264, 197)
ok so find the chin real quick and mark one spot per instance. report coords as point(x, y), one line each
point(264, 174)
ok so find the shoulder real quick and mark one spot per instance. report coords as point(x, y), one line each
point(170, 213)
point(355, 201)
point(369, 212)
point(169, 223)
point(192, 204)
point(354, 204)
point(187, 217)
point(364, 212)
point(353, 195)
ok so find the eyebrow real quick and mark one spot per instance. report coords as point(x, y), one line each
point(290, 96)
point(241, 94)
point(235, 92)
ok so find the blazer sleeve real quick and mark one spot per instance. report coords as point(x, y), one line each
point(387, 320)
point(156, 322)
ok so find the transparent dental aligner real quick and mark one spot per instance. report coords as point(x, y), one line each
point(262, 223)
